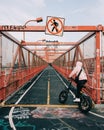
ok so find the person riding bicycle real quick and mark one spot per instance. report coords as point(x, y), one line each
point(78, 70)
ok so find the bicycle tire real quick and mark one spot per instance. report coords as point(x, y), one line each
point(63, 96)
point(85, 104)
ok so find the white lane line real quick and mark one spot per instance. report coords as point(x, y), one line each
point(48, 92)
point(11, 110)
point(11, 120)
point(95, 114)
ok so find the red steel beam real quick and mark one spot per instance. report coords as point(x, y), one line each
point(21, 28)
point(48, 43)
point(55, 50)
point(97, 73)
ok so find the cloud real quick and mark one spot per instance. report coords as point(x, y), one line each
point(40, 3)
point(14, 12)
point(78, 11)
point(37, 3)
point(95, 13)
point(60, 0)
point(100, 7)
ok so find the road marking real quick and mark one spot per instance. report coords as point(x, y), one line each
point(69, 126)
point(12, 125)
point(96, 114)
point(65, 84)
point(48, 92)
point(41, 105)
point(11, 111)
point(11, 120)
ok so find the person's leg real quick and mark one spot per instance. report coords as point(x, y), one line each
point(77, 99)
point(79, 88)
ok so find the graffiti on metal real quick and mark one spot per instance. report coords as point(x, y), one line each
point(13, 27)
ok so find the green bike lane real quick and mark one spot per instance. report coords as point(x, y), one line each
point(40, 109)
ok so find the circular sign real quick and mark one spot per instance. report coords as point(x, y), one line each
point(54, 26)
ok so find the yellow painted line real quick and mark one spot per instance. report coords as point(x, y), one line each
point(48, 92)
point(39, 105)
point(2, 103)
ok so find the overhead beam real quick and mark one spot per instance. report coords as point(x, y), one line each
point(48, 43)
point(50, 58)
point(49, 53)
point(21, 28)
point(50, 49)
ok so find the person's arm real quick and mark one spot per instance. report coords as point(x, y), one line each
point(73, 72)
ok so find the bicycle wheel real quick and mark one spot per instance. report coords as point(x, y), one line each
point(63, 96)
point(85, 104)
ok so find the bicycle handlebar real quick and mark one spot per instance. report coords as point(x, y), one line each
point(71, 79)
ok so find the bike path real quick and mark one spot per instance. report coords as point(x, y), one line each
point(44, 91)
point(45, 117)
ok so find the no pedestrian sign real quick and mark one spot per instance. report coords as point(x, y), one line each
point(54, 26)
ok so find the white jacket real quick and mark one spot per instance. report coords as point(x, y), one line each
point(76, 71)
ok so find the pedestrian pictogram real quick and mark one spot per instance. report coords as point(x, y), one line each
point(54, 26)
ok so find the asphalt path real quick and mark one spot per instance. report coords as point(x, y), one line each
point(36, 107)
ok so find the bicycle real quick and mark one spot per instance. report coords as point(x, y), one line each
point(85, 103)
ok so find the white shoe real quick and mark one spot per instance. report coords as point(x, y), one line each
point(76, 100)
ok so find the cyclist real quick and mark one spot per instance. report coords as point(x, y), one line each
point(82, 78)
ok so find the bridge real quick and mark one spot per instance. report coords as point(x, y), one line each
point(48, 64)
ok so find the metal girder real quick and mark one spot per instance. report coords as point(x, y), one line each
point(87, 36)
point(21, 28)
point(48, 43)
point(49, 53)
point(50, 49)
point(49, 60)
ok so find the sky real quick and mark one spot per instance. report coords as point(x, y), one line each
point(75, 12)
